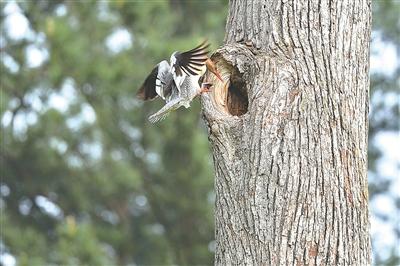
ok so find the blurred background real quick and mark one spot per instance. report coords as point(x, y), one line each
point(86, 180)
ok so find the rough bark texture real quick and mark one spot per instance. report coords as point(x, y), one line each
point(288, 133)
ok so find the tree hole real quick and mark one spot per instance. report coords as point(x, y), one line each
point(230, 95)
point(237, 100)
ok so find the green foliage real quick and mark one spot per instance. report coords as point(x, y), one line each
point(120, 191)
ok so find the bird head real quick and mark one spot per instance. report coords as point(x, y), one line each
point(211, 67)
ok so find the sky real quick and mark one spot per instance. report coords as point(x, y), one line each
point(384, 59)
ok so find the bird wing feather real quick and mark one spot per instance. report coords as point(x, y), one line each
point(160, 82)
point(148, 89)
point(192, 61)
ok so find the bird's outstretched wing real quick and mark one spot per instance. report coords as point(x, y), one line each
point(148, 89)
point(159, 82)
point(191, 61)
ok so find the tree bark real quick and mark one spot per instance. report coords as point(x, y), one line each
point(288, 132)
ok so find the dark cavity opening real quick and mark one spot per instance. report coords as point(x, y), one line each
point(237, 100)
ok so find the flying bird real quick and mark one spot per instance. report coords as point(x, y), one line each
point(177, 82)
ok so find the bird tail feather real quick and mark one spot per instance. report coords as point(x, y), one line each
point(158, 117)
point(163, 112)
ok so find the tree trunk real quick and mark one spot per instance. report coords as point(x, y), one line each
point(288, 132)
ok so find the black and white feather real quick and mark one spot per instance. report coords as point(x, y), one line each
point(177, 82)
point(190, 62)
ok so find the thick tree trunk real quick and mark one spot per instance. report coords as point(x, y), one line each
point(288, 133)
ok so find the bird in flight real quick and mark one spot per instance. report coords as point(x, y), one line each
point(177, 82)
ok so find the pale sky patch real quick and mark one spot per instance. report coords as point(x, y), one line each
point(10, 63)
point(36, 56)
point(7, 259)
point(6, 118)
point(87, 115)
point(93, 149)
point(389, 143)
point(383, 235)
point(48, 207)
point(383, 205)
point(119, 40)
point(15, 23)
point(384, 58)
point(61, 10)
point(58, 144)
point(64, 98)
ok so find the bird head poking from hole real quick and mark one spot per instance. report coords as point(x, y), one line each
point(213, 69)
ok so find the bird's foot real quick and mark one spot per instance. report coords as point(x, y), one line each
point(205, 87)
point(204, 90)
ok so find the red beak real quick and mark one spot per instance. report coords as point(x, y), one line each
point(218, 76)
point(211, 67)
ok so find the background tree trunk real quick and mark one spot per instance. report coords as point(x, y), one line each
point(289, 133)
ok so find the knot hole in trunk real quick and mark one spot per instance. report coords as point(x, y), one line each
point(237, 100)
point(230, 95)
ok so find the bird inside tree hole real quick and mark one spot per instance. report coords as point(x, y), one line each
point(229, 96)
point(237, 100)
